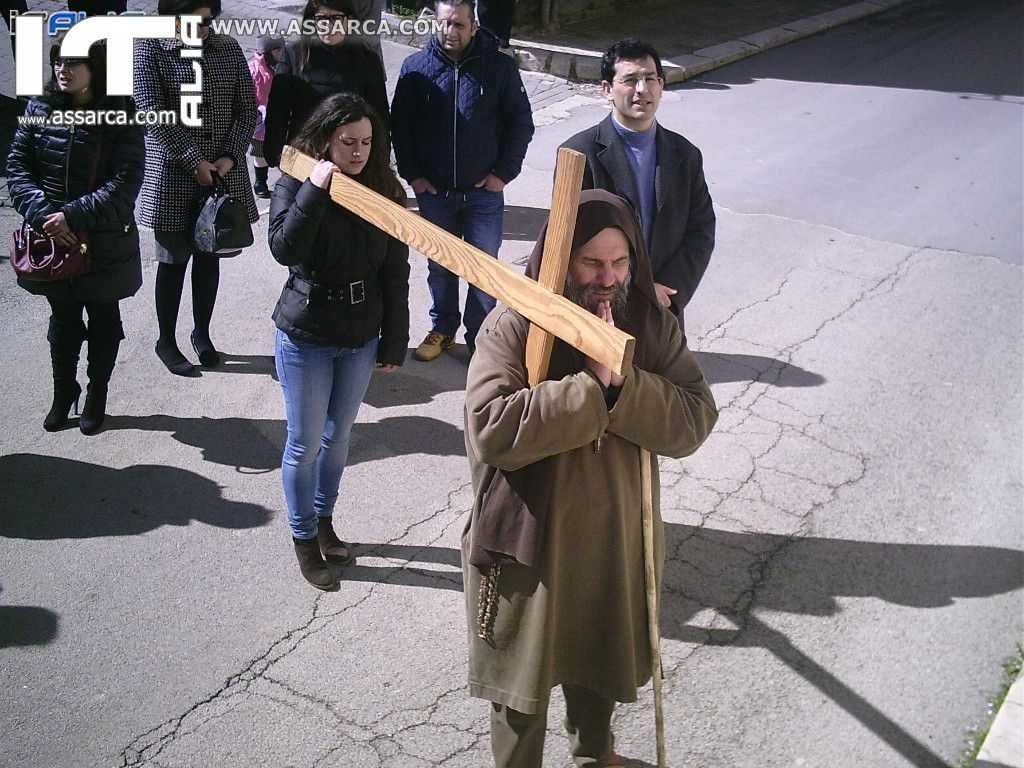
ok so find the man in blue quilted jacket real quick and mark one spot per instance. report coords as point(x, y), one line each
point(461, 125)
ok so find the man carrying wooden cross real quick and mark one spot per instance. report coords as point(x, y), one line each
point(553, 553)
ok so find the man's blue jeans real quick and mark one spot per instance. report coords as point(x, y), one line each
point(476, 216)
point(323, 387)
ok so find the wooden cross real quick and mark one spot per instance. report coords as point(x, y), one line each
point(540, 302)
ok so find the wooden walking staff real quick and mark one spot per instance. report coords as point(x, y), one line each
point(553, 267)
point(647, 496)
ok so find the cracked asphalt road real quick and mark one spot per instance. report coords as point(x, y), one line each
point(845, 564)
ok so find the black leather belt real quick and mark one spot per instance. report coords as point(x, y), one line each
point(355, 292)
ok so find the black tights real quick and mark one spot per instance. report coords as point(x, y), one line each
point(170, 281)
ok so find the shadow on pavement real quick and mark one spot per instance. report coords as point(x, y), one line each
point(255, 445)
point(53, 498)
point(416, 383)
point(248, 445)
point(259, 364)
point(720, 570)
point(522, 223)
point(27, 625)
point(934, 45)
point(720, 368)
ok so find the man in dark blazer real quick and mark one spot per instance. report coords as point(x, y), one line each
point(657, 170)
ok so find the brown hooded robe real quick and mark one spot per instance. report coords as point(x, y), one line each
point(571, 600)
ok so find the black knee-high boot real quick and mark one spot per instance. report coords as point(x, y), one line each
point(65, 339)
point(104, 339)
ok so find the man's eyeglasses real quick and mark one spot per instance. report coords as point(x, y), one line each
point(329, 18)
point(631, 82)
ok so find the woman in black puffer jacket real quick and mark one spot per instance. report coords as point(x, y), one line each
point(48, 176)
point(343, 309)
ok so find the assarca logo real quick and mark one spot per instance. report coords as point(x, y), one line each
point(120, 34)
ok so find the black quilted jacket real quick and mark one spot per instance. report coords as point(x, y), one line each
point(48, 171)
point(324, 245)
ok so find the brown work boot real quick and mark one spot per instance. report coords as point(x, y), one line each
point(433, 345)
point(334, 549)
point(312, 564)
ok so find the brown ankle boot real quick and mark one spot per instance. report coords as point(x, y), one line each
point(334, 549)
point(312, 564)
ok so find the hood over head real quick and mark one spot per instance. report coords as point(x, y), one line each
point(598, 210)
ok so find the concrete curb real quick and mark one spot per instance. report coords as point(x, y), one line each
point(585, 65)
point(1004, 744)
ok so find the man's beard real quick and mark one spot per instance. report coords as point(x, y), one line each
point(584, 296)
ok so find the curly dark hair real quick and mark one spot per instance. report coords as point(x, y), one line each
point(96, 61)
point(314, 138)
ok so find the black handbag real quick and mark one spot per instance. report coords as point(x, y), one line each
point(222, 224)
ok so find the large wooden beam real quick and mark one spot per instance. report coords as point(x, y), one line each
point(565, 201)
point(551, 311)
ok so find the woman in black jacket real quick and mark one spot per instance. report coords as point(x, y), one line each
point(344, 307)
point(317, 66)
point(49, 169)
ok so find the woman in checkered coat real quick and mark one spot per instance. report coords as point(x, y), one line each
point(180, 163)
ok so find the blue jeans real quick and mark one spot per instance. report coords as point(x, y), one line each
point(477, 217)
point(323, 387)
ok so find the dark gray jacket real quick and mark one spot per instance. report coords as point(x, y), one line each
point(48, 171)
point(295, 92)
point(683, 235)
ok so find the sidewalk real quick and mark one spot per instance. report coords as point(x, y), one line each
point(1004, 745)
point(692, 38)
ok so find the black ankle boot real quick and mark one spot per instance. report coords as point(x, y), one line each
point(65, 395)
point(312, 564)
point(260, 187)
point(334, 549)
point(95, 409)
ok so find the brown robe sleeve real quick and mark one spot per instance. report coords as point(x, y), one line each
point(669, 411)
point(508, 424)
